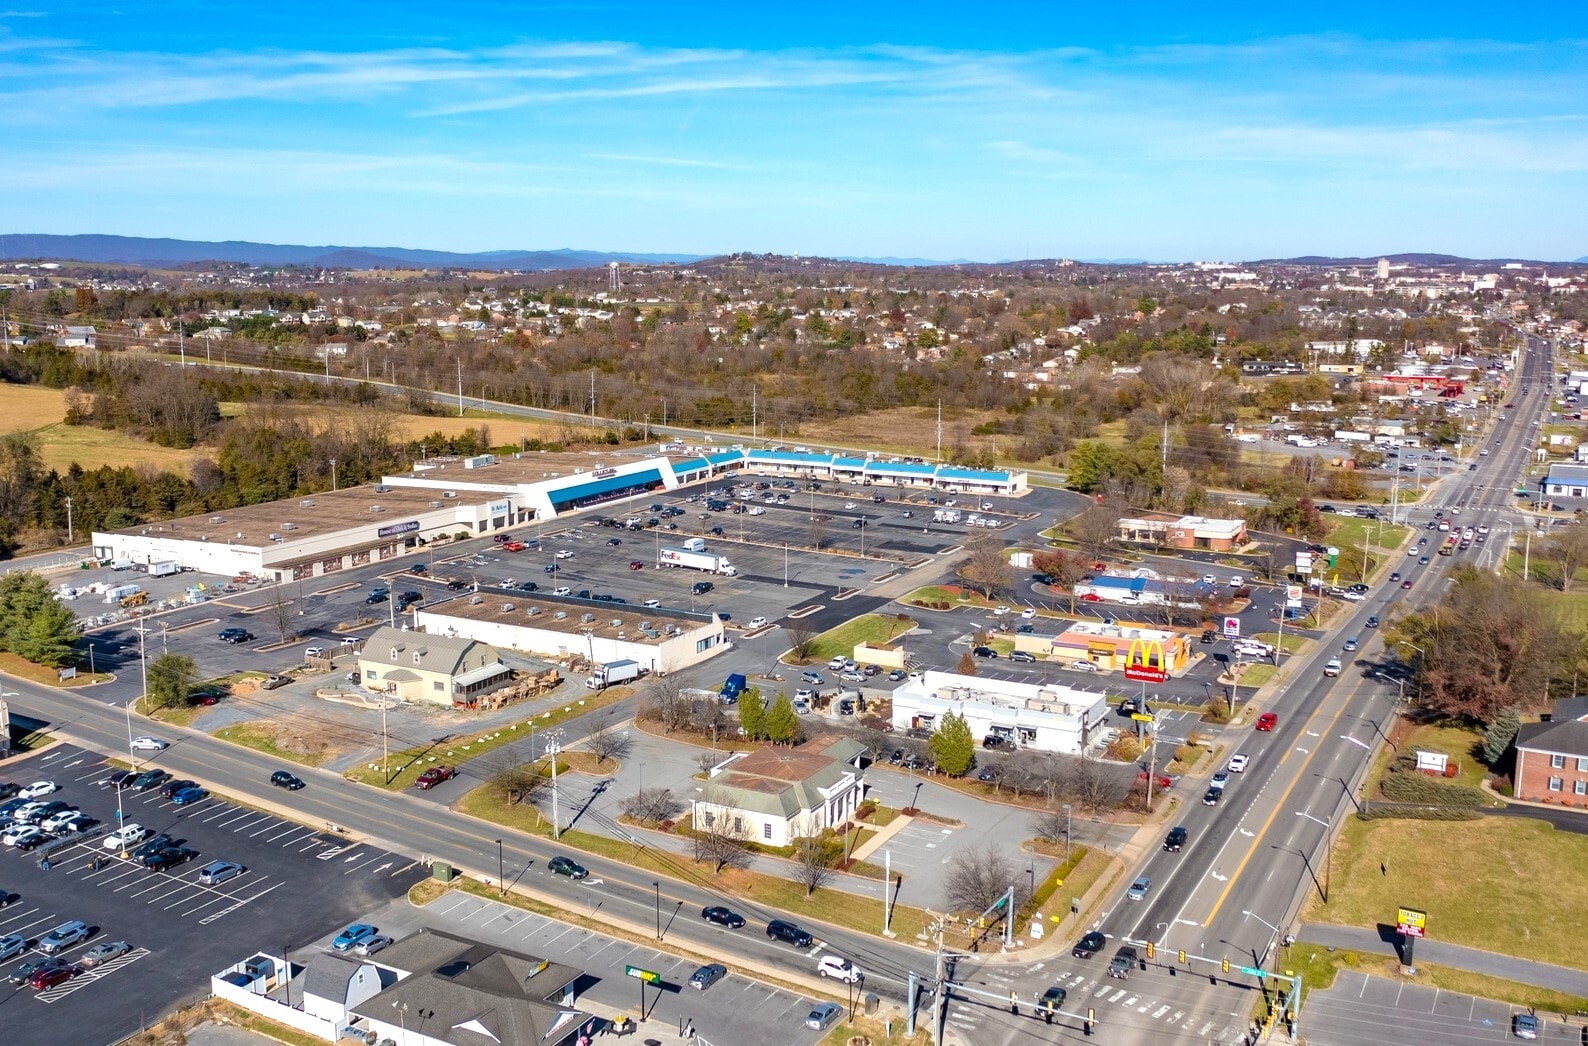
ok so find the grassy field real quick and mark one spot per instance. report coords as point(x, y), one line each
point(30, 408)
point(1461, 744)
point(1489, 884)
point(1294, 644)
point(277, 741)
point(905, 429)
point(868, 628)
point(1349, 530)
point(504, 427)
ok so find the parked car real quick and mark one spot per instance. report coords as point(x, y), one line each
point(168, 857)
point(217, 872)
point(371, 945)
point(985, 651)
point(274, 682)
point(50, 976)
point(1082, 665)
point(822, 1015)
point(188, 796)
point(127, 835)
point(12, 944)
point(707, 975)
point(103, 952)
point(561, 865)
point(756, 622)
point(235, 635)
point(1024, 657)
point(1525, 1026)
point(37, 790)
point(722, 916)
point(150, 779)
point(63, 937)
point(352, 935)
point(433, 776)
point(173, 787)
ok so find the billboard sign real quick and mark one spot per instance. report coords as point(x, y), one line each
point(1410, 922)
point(1145, 663)
point(1232, 628)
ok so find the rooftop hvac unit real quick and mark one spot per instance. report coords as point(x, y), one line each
point(435, 504)
point(560, 614)
point(533, 611)
point(587, 617)
point(617, 622)
point(646, 626)
point(449, 493)
point(382, 488)
point(507, 608)
point(217, 519)
point(377, 508)
point(273, 537)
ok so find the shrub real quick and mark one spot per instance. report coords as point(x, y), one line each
point(1420, 788)
point(1418, 813)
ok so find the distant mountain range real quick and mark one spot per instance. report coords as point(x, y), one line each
point(145, 251)
point(139, 250)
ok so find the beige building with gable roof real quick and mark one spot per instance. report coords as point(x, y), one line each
point(417, 666)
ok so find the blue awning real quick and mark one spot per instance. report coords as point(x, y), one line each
point(596, 487)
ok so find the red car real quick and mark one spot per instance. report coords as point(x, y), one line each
point(434, 776)
point(1160, 782)
point(512, 546)
point(50, 976)
point(1091, 597)
point(635, 564)
point(1266, 721)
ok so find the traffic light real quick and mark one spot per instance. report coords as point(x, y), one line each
point(1182, 956)
point(1225, 965)
point(1091, 1019)
point(1151, 950)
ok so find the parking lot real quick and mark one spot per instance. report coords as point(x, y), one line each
point(297, 881)
point(736, 1009)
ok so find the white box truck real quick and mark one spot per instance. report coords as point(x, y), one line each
point(710, 562)
point(164, 569)
point(612, 673)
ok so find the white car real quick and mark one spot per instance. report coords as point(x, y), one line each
point(1238, 762)
point(564, 554)
point(835, 665)
point(805, 694)
point(756, 622)
point(1028, 613)
point(562, 590)
point(37, 789)
point(129, 835)
point(849, 504)
point(56, 822)
point(149, 744)
point(1237, 582)
point(1001, 612)
point(757, 511)
point(17, 832)
point(840, 968)
point(1352, 597)
point(1083, 666)
point(314, 651)
point(1209, 579)
point(652, 603)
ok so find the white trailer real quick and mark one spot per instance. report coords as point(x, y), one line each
point(612, 673)
point(710, 562)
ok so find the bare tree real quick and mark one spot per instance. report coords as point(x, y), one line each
point(1273, 562)
point(1051, 824)
point(1567, 549)
point(516, 784)
point(671, 708)
point(814, 862)
point(653, 805)
point(280, 610)
point(800, 635)
point(818, 530)
point(976, 878)
point(1095, 529)
point(720, 841)
point(607, 743)
point(1096, 788)
point(988, 566)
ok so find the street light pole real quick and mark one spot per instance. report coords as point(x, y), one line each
point(1328, 844)
point(1067, 815)
point(657, 886)
point(501, 880)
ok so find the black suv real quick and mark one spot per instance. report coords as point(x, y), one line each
point(700, 588)
point(1089, 945)
point(284, 779)
point(235, 635)
point(779, 930)
point(1175, 840)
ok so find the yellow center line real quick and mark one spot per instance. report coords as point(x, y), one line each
point(1257, 841)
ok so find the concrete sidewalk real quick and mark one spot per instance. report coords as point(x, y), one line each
point(1385, 940)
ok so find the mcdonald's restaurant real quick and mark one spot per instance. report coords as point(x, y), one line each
point(1112, 647)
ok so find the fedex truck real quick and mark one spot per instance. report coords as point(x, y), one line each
point(710, 562)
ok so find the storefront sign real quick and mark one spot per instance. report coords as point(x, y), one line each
point(398, 528)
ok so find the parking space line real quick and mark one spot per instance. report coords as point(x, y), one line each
point(273, 822)
point(290, 828)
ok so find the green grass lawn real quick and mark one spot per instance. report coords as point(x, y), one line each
point(1499, 884)
point(267, 738)
point(868, 628)
point(1257, 675)
point(1294, 644)
point(406, 765)
point(1462, 744)
point(1350, 530)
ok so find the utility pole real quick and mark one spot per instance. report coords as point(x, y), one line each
point(1527, 551)
point(68, 519)
point(333, 474)
point(754, 408)
point(460, 383)
point(554, 749)
point(939, 431)
point(1165, 447)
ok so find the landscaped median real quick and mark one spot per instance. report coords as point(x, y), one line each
point(403, 767)
point(840, 641)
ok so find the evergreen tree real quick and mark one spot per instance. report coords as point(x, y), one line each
point(952, 745)
point(782, 722)
point(1497, 739)
point(171, 679)
point(752, 713)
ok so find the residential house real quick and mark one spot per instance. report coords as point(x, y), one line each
point(1552, 756)
point(774, 795)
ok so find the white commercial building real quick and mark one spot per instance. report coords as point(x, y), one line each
point(600, 631)
point(1043, 718)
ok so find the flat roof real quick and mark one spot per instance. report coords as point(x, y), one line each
point(296, 519)
point(628, 615)
point(518, 470)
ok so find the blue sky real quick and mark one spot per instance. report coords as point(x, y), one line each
point(910, 130)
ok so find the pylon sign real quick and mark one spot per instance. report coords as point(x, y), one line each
point(1232, 627)
point(1145, 663)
